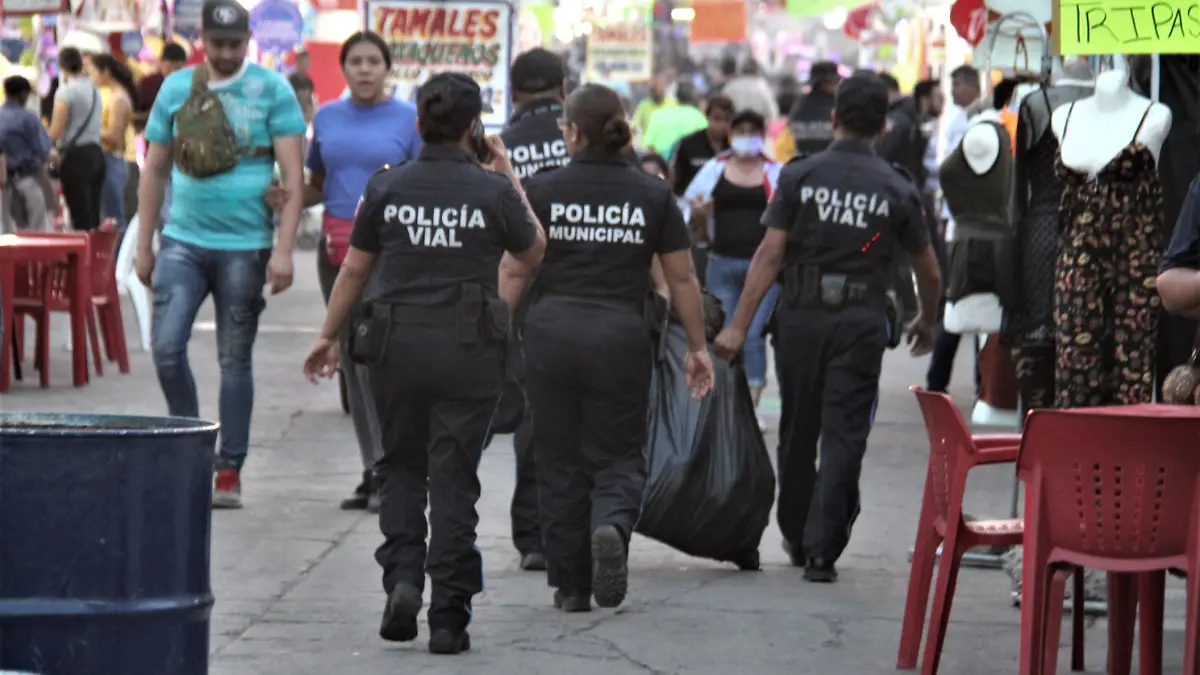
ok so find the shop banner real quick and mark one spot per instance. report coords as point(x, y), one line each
point(185, 22)
point(277, 25)
point(30, 7)
point(1103, 27)
point(620, 53)
point(471, 37)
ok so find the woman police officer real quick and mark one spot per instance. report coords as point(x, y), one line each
point(587, 348)
point(432, 332)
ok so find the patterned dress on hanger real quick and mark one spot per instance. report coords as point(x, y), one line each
point(1106, 303)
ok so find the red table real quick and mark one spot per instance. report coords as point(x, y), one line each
point(72, 250)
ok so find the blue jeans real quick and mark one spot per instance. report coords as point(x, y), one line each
point(726, 278)
point(184, 275)
point(112, 196)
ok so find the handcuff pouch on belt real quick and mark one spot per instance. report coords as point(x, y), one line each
point(370, 327)
point(807, 286)
point(656, 312)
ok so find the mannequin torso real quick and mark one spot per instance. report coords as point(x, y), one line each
point(981, 144)
point(1101, 126)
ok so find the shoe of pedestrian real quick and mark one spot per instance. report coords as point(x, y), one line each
point(610, 573)
point(227, 489)
point(794, 557)
point(820, 570)
point(447, 641)
point(571, 603)
point(400, 614)
point(748, 561)
point(533, 562)
point(358, 499)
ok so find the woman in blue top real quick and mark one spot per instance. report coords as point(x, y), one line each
point(352, 138)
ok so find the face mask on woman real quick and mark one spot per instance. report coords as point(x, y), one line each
point(746, 146)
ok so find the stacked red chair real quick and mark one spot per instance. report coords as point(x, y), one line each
point(43, 289)
point(1113, 489)
point(953, 453)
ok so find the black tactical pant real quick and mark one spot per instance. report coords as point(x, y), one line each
point(526, 527)
point(829, 365)
point(588, 371)
point(435, 400)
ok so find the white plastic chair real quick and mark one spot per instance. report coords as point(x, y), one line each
point(128, 283)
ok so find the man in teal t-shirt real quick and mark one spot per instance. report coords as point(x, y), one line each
point(672, 123)
point(218, 238)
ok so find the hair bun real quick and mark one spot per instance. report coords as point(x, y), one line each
point(438, 103)
point(616, 134)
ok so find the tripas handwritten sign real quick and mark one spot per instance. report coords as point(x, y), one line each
point(1099, 27)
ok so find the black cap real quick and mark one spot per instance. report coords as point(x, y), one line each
point(224, 20)
point(863, 95)
point(535, 71)
point(824, 71)
point(751, 116)
point(464, 91)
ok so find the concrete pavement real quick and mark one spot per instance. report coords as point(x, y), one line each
point(298, 591)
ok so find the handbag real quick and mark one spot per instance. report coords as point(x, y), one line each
point(55, 172)
point(1182, 384)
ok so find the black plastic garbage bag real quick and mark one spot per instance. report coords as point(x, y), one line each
point(711, 485)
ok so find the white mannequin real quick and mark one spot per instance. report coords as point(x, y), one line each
point(978, 312)
point(1103, 124)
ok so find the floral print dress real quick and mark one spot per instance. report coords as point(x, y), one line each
point(1106, 303)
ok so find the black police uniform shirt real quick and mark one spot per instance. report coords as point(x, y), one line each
point(845, 210)
point(1184, 250)
point(604, 219)
point(436, 223)
point(534, 139)
point(903, 142)
point(691, 153)
point(811, 123)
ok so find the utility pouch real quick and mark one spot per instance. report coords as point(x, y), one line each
point(369, 332)
point(655, 314)
point(833, 290)
point(499, 322)
point(895, 330)
point(793, 286)
point(468, 314)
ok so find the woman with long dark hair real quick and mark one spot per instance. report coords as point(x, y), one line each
point(352, 138)
point(118, 95)
point(75, 126)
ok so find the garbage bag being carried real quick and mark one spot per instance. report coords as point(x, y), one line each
point(711, 485)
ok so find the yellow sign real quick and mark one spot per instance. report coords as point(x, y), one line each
point(1100, 27)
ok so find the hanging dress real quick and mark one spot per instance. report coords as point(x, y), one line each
point(1106, 303)
point(1037, 195)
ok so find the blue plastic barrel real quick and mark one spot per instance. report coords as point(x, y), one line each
point(104, 544)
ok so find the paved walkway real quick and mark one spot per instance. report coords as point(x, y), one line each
point(298, 591)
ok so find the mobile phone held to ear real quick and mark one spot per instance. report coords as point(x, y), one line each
point(479, 139)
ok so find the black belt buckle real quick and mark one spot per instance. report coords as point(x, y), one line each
point(369, 331)
point(467, 315)
point(833, 290)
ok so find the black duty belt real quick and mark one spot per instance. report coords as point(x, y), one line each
point(422, 315)
point(607, 303)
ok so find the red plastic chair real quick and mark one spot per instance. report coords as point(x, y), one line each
point(953, 453)
point(1112, 489)
point(46, 290)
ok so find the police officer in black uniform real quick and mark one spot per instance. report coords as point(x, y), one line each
point(588, 349)
point(810, 121)
point(532, 136)
point(535, 143)
point(833, 227)
point(433, 330)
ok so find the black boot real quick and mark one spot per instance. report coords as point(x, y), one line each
point(400, 615)
point(448, 641)
point(357, 501)
point(572, 602)
point(820, 570)
point(610, 573)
